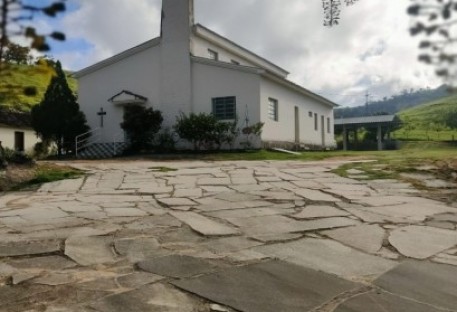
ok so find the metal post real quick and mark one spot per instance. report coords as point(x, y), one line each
point(345, 139)
point(379, 138)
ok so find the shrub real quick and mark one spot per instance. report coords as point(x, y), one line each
point(141, 125)
point(252, 132)
point(205, 131)
point(165, 141)
point(16, 157)
point(198, 129)
point(41, 149)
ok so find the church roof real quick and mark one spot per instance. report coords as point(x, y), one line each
point(199, 30)
point(127, 97)
point(118, 57)
point(216, 38)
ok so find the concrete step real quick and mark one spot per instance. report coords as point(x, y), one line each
point(102, 150)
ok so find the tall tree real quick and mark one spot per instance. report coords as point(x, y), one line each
point(436, 20)
point(332, 11)
point(17, 54)
point(58, 117)
point(12, 15)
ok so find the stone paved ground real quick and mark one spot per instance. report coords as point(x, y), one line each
point(226, 236)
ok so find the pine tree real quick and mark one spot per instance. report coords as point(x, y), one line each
point(58, 118)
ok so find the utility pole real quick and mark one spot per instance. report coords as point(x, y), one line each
point(367, 101)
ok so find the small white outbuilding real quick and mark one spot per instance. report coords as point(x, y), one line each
point(190, 68)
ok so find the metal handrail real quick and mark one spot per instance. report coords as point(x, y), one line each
point(81, 143)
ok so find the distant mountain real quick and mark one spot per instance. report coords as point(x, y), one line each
point(394, 104)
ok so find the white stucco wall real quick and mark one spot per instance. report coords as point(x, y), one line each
point(283, 130)
point(7, 137)
point(139, 73)
point(212, 81)
point(200, 46)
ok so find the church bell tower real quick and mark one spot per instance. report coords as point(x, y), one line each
point(176, 82)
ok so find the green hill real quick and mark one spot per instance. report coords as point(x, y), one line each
point(17, 77)
point(436, 120)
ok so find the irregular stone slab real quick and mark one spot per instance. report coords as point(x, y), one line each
point(188, 192)
point(446, 259)
point(279, 224)
point(237, 197)
point(177, 202)
point(138, 279)
point(216, 189)
point(22, 248)
point(447, 217)
point(78, 207)
point(268, 287)
point(150, 298)
point(246, 213)
point(372, 217)
point(22, 277)
point(421, 242)
point(441, 225)
point(55, 279)
point(54, 263)
point(139, 248)
point(430, 283)
point(328, 256)
point(90, 250)
point(176, 266)
point(154, 222)
point(6, 271)
point(383, 302)
point(213, 181)
point(204, 225)
point(311, 212)
point(125, 212)
point(277, 195)
point(367, 238)
point(101, 284)
point(230, 244)
point(276, 237)
point(410, 211)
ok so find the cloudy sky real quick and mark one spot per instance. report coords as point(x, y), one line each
point(370, 50)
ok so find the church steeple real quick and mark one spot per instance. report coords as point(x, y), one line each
point(176, 82)
point(177, 19)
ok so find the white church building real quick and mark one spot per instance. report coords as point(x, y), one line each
point(190, 68)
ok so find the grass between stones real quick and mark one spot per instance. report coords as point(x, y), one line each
point(21, 177)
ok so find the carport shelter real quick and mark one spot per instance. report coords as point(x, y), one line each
point(382, 121)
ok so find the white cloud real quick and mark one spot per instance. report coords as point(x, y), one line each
point(371, 48)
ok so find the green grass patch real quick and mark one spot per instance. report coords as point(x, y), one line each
point(39, 174)
point(162, 169)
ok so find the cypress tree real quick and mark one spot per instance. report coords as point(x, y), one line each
point(58, 118)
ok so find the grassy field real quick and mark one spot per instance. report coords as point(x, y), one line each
point(427, 121)
point(18, 77)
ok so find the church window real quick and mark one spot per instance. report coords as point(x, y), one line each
point(224, 108)
point(213, 55)
point(273, 109)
